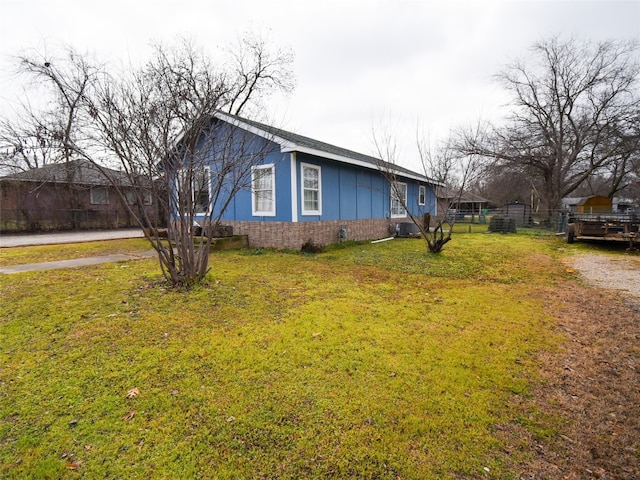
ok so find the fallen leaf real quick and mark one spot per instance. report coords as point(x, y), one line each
point(72, 466)
point(129, 415)
point(570, 270)
point(134, 392)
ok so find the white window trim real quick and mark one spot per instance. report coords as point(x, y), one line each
point(319, 169)
point(422, 195)
point(266, 213)
point(402, 204)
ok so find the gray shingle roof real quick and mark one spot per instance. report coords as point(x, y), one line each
point(297, 142)
point(80, 172)
point(465, 197)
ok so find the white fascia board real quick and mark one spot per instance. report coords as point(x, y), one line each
point(289, 147)
point(252, 129)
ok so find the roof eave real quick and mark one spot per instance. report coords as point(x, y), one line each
point(289, 147)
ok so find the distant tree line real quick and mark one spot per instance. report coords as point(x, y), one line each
point(573, 127)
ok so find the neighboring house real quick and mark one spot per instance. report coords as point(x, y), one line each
point(465, 203)
point(64, 196)
point(624, 205)
point(571, 203)
point(305, 190)
point(585, 204)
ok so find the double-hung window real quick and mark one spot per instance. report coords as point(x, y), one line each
point(130, 195)
point(422, 195)
point(311, 190)
point(202, 190)
point(132, 198)
point(398, 199)
point(263, 191)
point(99, 196)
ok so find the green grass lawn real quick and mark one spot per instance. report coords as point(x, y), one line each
point(367, 361)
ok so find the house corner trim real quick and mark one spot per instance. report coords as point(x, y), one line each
point(294, 188)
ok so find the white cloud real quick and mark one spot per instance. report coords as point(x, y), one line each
point(356, 60)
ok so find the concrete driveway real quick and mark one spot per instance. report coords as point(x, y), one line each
point(24, 240)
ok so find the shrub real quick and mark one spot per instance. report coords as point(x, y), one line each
point(310, 247)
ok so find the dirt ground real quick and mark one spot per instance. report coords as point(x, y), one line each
point(591, 385)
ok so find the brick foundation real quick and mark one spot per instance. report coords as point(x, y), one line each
point(294, 235)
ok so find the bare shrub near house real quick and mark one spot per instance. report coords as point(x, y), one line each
point(155, 123)
point(445, 165)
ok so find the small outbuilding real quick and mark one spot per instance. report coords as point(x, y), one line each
point(462, 203)
point(595, 204)
point(520, 212)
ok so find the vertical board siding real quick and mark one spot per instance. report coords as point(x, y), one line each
point(330, 189)
point(364, 194)
point(348, 194)
point(380, 200)
point(351, 195)
point(240, 206)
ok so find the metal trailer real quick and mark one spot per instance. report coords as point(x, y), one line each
point(604, 226)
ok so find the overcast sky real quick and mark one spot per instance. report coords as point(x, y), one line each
point(357, 63)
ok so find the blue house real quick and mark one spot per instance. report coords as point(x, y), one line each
point(303, 189)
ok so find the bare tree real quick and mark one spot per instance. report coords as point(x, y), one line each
point(572, 106)
point(504, 185)
point(43, 132)
point(42, 129)
point(161, 125)
point(440, 163)
point(438, 159)
point(252, 65)
point(25, 144)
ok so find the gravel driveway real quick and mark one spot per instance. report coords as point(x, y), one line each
point(608, 271)
point(591, 383)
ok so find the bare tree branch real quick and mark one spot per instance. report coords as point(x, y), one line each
point(159, 126)
point(570, 111)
